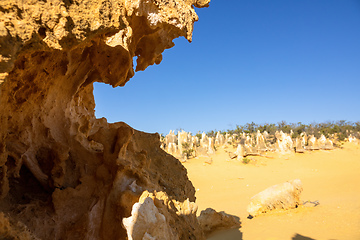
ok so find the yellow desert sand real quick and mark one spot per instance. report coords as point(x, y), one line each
point(330, 177)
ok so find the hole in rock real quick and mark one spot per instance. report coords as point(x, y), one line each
point(27, 188)
point(135, 62)
point(42, 32)
point(10, 163)
point(135, 104)
point(111, 102)
point(154, 100)
point(132, 104)
point(46, 158)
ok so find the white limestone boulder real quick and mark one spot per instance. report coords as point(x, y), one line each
point(281, 196)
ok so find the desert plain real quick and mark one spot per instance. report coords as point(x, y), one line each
point(330, 177)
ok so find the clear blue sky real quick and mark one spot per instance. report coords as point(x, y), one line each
point(251, 60)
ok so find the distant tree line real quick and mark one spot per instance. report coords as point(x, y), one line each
point(341, 128)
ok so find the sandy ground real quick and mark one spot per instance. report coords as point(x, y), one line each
point(331, 177)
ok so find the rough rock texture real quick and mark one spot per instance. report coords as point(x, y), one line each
point(63, 173)
point(13, 230)
point(212, 221)
point(147, 222)
point(150, 218)
point(281, 196)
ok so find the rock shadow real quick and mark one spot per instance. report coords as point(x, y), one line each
point(232, 234)
point(301, 237)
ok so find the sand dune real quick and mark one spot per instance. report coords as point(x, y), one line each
point(330, 177)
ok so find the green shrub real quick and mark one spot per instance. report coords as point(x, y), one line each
point(246, 160)
point(188, 151)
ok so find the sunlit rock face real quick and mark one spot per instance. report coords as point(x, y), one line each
point(63, 173)
point(284, 142)
point(153, 218)
point(281, 196)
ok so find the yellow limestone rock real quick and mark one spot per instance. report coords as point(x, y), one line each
point(212, 221)
point(281, 196)
point(63, 173)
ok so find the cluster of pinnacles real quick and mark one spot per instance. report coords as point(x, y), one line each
point(184, 145)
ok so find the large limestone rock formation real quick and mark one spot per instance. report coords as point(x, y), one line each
point(281, 196)
point(353, 139)
point(171, 143)
point(284, 142)
point(312, 143)
point(219, 139)
point(63, 173)
point(260, 141)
